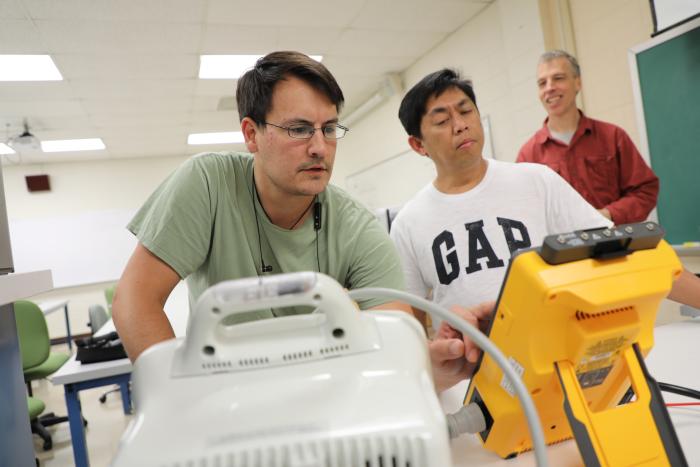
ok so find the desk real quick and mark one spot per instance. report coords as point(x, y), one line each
point(670, 361)
point(50, 306)
point(76, 377)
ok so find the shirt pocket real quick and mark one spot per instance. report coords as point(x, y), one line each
point(603, 172)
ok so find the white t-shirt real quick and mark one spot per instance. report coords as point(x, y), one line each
point(459, 245)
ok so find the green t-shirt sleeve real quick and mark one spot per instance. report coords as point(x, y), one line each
point(175, 223)
point(375, 263)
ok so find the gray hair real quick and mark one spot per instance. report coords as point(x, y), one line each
point(554, 54)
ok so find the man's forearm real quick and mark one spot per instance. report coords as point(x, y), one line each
point(140, 327)
point(686, 289)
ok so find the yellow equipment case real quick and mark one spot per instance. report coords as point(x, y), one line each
point(576, 318)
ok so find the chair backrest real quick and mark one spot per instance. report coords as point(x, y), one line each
point(34, 342)
point(98, 317)
point(109, 296)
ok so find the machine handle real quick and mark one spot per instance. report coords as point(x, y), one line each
point(338, 315)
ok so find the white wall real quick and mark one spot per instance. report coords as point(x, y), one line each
point(79, 187)
point(604, 31)
point(497, 50)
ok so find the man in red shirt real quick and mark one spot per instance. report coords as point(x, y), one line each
point(597, 158)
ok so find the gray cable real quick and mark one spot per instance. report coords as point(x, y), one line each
point(483, 342)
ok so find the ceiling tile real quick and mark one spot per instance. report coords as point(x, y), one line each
point(144, 139)
point(416, 15)
point(225, 39)
point(310, 40)
point(341, 65)
point(200, 148)
point(45, 108)
point(12, 9)
point(118, 10)
point(208, 122)
point(110, 121)
point(137, 154)
point(137, 106)
point(369, 43)
point(131, 68)
point(35, 91)
point(121, 89)
point(207, 103)
point(121, 66)
point(215, 87)
point(71, 36)
point(20, 37)
point(330, 13)
point(72, 124)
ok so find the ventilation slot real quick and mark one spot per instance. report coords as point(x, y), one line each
point(221, 365)
point(334, 349)
point(377, 451)
point(249, 362)
point(550, 443)
point(581, 315)
point(289, 357)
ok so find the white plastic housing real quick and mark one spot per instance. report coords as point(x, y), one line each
point(366, 400)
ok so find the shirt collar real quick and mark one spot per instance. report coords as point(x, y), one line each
point(585, 124)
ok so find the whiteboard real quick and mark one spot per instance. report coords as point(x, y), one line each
point(79, 249)
point(396, 179)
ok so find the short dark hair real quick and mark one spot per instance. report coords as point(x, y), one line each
point(255, 87)
point(413, 104)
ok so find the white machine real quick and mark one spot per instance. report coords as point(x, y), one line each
point(332, 388)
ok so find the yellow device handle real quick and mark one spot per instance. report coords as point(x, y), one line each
point(637, 433)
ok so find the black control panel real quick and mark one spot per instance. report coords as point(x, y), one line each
point(604, 243)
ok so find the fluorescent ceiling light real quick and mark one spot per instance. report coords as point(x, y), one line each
point(28, 68)
point(230, 66)
point(5, 149)
point(216, 138)
point(65, 145)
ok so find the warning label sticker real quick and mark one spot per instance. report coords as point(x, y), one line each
point(598, 360)
point(505, 381)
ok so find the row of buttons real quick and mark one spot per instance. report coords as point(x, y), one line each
point(606, 233)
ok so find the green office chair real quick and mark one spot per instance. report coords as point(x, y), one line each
point(36, 407)
point(37, 362)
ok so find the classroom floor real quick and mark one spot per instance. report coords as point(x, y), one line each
point(106, 422)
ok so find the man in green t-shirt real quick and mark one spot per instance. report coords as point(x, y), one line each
point(224, 216)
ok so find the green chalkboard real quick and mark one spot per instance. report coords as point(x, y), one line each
point(669, 80)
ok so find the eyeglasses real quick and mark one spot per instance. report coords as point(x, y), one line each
point(301, 131)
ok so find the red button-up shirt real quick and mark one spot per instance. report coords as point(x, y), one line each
point(602, 163)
